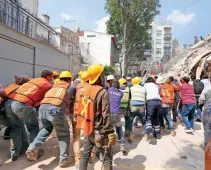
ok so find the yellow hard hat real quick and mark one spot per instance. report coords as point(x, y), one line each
point(136, 81)
point(65, 74)
point(85, 76)
point(94, 72)
point(56, 81)
point(79, 73)
point(122, 81)
point(55, 73)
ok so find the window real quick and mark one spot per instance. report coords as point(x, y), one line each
point(158, 33)
point(158, 50)
point(158, 42)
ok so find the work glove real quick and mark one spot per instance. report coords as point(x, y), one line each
point(111, 139)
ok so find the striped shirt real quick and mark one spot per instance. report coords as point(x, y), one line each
point(187, 94)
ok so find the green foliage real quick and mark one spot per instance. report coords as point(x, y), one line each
point(138, 15)
point(109, 70)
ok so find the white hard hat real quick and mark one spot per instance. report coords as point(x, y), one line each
point(160, 80)
point(110, 77)
point(128, 78)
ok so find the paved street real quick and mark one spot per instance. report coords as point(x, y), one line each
point(170, 153)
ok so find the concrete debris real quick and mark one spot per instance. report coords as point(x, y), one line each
point(188, 60)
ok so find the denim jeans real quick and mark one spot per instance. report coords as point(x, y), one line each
point(188, 111)
point(175, 111)
point(116, 121)
point(207, 126)
point(128, 121)
point(58, 121)
point(19, 114)
point(167, 116)
point(89, 143)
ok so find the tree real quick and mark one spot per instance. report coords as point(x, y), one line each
point(130, 21)
point(109, 70)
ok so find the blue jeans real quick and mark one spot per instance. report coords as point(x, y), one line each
point(188, 111)
point(58, 121)
point(116, 121)
point(19, 114)
point(167, 117)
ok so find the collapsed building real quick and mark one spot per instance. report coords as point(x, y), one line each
point(194, 60)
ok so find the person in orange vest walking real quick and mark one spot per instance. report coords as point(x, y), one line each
point(167, 94)
point(95, 119)
point(53, 114)
point(4, 92)
point(76, 111)
point(20, 109)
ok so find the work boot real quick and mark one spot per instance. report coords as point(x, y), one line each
point(65, 163)
point(126, 132)
point(173, 133)
point(157, 135)
point(32, 155)
point(123, 149)
point(130, 138)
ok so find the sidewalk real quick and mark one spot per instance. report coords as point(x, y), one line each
point(170, 153)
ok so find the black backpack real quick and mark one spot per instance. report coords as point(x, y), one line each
point(198, 86)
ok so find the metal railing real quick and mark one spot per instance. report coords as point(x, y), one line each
point(18, 18)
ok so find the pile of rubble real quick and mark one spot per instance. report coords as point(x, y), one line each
point(188, 61)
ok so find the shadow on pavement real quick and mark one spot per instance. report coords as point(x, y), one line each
point(190, 157)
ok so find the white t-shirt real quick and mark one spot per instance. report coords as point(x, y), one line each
point(152, 91)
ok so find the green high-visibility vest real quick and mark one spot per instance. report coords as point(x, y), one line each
point(125, 98)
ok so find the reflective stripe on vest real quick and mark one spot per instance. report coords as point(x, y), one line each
point(28, 90)
point(85, 119)
point(56, 94)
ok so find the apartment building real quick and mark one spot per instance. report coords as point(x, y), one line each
point(162, 42)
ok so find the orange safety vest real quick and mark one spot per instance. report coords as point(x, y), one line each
point(167, 93)
point(78, 106)
point(86, 99)
point(11, 88)
point(27, 92)
point(56, 94)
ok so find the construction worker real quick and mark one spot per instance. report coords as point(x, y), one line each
point(20, 109)
point(115, 97)
point(137, 102)
point(55, 76)
point(52, 112)
point(153, 105)
point(167, 93)
point(109, 81)
point(95, 119)
point(77, 110)
point(19, 80)
point(124, 106)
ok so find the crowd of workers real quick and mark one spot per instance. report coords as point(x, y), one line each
point(94, 108)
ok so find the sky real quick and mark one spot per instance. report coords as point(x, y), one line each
point(189, 17)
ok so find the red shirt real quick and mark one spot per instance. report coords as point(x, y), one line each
point(187, 94)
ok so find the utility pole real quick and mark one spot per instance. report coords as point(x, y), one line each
point(124, 56)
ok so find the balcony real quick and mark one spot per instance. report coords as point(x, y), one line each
point(167, 36)
point(167, 45)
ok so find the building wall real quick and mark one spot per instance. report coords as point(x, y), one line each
point(21, 54)
point(98, 46)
